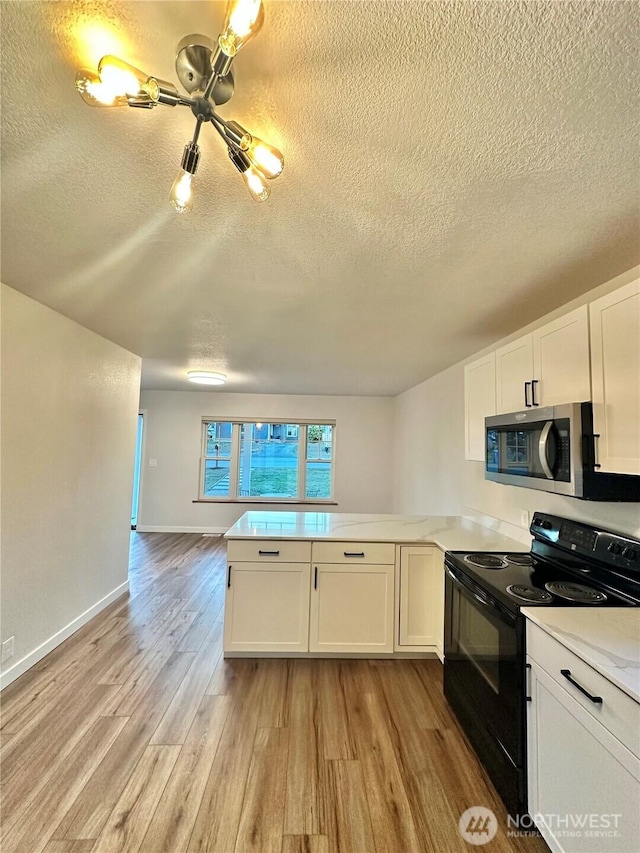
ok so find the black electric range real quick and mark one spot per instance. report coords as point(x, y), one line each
point(570, 564)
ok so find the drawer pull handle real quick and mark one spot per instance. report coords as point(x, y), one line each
point(528, 696)
point(229, 577)
point(269, 553)
point(353, 553)
point(567, 674)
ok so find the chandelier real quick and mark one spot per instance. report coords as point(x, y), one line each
point(204, 70)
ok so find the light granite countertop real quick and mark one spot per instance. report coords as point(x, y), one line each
point(449, 532)
point(607, 638)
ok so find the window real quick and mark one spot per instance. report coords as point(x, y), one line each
point(253, 460)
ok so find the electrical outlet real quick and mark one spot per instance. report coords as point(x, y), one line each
point(7, 649)
point(153, 463)
point(524, 518)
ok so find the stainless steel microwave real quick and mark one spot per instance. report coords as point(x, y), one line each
point(553, 449)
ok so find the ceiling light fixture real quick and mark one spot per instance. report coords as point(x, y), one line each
point(204, 70)
point(206, 377)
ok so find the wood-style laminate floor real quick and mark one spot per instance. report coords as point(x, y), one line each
point(136, 735)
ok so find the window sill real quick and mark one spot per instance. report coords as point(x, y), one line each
point(270, 501)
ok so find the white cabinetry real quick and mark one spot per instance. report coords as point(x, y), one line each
point(302, 597)
point(267, 597)
point(583, 765)
point(479, 403)
point(561, 360)
point(421, 599)
point(547, 367)
point(352, 597)
point(514, 369)
point(615, 343)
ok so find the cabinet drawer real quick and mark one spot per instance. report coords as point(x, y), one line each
point(617, 712)
point(268, 551)
point(354, 552)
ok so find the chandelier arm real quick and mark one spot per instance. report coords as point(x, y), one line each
point(219, 119)
point(219, 123)
point(211, 84)
point(234, 134)
point(196, 132)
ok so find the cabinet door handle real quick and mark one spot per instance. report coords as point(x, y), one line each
point(596, 464)
point(567, 674)
point(315, 578)
point(534, 402)
point(527, 666)
point(269, 553)
point(229, 577)
point(353, 553)
point(527, 404)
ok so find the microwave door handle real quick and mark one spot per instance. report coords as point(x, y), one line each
point(543, 449)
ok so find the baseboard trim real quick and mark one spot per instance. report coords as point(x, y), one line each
point(157, 528)
point(30, 659)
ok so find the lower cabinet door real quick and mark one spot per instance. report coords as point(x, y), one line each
point(351, 608)
point(584, 786)
point(267, 607)
point(421, 597)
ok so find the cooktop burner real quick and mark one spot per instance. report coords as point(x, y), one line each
point(486, 561)
point(520, 559)
point(529, 594)
point(575, 592)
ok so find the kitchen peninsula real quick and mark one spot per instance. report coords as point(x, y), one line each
point(321, 584)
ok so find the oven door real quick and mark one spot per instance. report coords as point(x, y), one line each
point(484, 666)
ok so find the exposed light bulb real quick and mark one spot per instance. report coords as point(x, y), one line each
point(263, 156)
point(243, 20)
point(267, 158)
point(122, 80)
point(181, 195)
point(256, 183)
point(94, 92)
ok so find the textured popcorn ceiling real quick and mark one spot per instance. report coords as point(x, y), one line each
point(453, 172)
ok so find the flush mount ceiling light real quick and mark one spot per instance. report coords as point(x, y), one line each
point(206, 377)
point(204, 70)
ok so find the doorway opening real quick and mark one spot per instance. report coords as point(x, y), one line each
point(136, 473)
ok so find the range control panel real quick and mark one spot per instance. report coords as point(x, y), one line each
point(613, 549)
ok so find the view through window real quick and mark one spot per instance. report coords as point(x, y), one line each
point(267, 461)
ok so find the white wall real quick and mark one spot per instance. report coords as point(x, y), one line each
point(69, 412)
point(429, 449)
point(173, 437)
point(429, 446)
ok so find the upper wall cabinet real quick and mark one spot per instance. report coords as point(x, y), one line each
point(514, 373)
point(561, 370)
point(546, 367)
point(479, 403)
point(615, 353)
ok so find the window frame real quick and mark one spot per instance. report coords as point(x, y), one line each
point(302, 425)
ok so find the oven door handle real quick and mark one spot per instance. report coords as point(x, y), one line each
point(471, 592)
point(499, 612)
point(546, 447)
